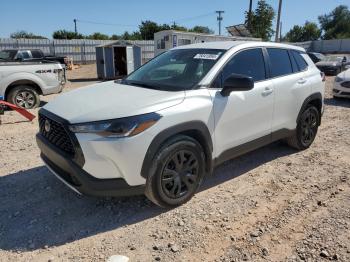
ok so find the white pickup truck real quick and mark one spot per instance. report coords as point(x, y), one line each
point(22, 83)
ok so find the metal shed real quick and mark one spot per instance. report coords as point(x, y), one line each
point(117, 59)
point(168, 39)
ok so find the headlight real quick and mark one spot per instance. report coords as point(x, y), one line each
point(121, 127)
point(338, 79)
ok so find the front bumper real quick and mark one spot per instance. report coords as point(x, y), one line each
point(56, 89)
point(79, 180)
point(340, 91)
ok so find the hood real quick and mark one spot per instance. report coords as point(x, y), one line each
point(345, 74)
point(328, 63)
point(110, 100)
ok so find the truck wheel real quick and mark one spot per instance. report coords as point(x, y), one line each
point(24, 96)
point(176, 173)
point(306, 129)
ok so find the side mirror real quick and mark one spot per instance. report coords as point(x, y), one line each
point(237, 82)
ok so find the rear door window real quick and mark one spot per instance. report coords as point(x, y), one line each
point(280, 62)
point(36, 54)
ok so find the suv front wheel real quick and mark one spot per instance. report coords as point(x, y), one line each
point(177, 172)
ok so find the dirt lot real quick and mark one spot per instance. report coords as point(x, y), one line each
point(273, 204)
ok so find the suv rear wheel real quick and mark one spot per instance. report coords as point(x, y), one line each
point(177, 172)
point(24, 96)
point(306, 129)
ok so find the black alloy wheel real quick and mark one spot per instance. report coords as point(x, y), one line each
point(309, 125)
point(306, 130)
point(177, 172)
point(180, 174)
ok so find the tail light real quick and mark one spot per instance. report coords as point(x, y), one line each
point(323, 76)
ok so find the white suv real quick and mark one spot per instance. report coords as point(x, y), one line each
point(164, 127)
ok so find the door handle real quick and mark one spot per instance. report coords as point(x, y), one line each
point(267, 91)
point(302, 81)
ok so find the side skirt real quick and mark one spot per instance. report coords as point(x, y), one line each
point(252, 145)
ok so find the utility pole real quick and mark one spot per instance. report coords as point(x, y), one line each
point(220, 18)
point(278, 21)
point(249, 22)
point(280, 31)
point(75, 26)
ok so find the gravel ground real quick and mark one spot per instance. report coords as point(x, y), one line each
point(273, 204)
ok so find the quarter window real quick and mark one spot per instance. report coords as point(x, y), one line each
point(302, 65)
point(248, 62)
point(280, 62)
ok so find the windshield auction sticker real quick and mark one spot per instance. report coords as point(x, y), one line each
point(206, 56)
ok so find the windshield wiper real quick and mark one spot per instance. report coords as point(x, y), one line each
point(140, 84)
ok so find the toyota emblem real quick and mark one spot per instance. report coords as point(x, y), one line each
point(47, 126)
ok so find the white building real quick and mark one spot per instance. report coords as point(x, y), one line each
point(167, 39)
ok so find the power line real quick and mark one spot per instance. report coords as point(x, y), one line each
point(129, 25)
point(194, 17)
point(102, 23)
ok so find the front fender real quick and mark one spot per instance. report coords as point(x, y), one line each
point(183, 128)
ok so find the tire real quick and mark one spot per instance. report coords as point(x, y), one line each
point(24, 96)
point(306, 130)
point(177, 172)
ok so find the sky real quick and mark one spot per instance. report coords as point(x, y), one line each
point(42, 17)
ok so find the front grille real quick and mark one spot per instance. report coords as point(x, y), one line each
point(57, 135)
point(345, 84)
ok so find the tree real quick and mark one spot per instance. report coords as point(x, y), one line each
point(25, 34)
point(98, 36)
point(148, 28)
point(261, 20)
point(125, 36)
point(136, 36)
point(178, 28)
point(336, 24)
point(64, 34)
point(115, 37)
point(295, 34)
point(311, 31)
point(308, 32)
point(201, 29)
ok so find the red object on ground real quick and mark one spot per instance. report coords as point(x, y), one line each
point(20, 110)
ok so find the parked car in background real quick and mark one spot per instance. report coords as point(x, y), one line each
point(22, 83)
point(163, 128)
point(316, 57)
point(29, 55)
point(333, 64)
point(341, 87)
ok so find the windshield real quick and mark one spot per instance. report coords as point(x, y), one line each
point(175, 70)
point(8, 54)
point(333, 58)
point(319, 56)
